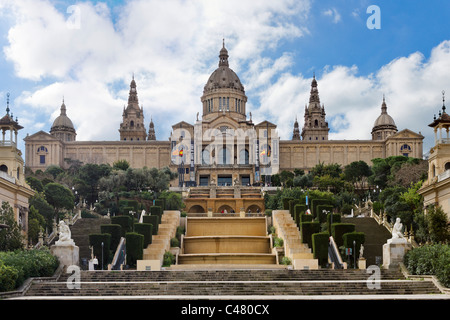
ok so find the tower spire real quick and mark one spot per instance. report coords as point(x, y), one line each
point(223, 55)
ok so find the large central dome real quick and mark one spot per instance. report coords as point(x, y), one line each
point(223, 76)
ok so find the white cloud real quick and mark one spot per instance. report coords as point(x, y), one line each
point(412, 86)
point(170, 46)
point(333, 13)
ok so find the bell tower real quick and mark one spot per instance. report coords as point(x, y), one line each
point(132, 127)
point(315, 127)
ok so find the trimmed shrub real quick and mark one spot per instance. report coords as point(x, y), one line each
point(146, 230)
point(115, 230)
point(359, 239)
point(154, 221)
point(134, 247)
point(156, 210)
point(292, 204)
point(339, 229)
point(305, 218)
point(285, 202)
point(315, 203)
point(299, 209)
point(307, 229)
point(95, 240)
point(336, 219)
point(320, 247)
point(322, 215)
point(160, 203)
point(126, 222)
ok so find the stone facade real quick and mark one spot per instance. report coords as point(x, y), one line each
point(223, 115)
point(436, 189)
point(13, 187)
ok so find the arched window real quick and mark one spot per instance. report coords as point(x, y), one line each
point(243, 157)
point(131, 123)
point(4, 168)
point(447, 166)
point(405, 150)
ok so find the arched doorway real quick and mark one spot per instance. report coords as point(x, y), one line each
point(196, 209)
point(225, 208)
point(253, 209)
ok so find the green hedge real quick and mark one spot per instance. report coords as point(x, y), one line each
point(305, 218)
point(339, 229)
point(336, 219)
point(146, 230)
point(299, 209)
point(134, 247)
point(359, 239)
point(115, 230)
point(430, 260)
point(17, 266)
point(126, 222)
point(154, 221)
point(95, 240)
point(322, 215)
point(292, 204)
point(285, 202)
point(307, 229)
point(315, 203)
point(320, 247)
point(156, 210)
point(160, 203)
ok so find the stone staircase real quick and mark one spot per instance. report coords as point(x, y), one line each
point(167, 229)
point(375, 237)
point(271, 283)
point(81, 230)
point(286, 228)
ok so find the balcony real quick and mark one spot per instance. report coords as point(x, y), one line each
point(444, 175)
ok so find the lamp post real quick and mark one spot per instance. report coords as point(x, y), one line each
point(102, 254)
point(354, 254)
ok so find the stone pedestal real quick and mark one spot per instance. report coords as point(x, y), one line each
point(394, 251)
point(362, 263)
point(67, 254)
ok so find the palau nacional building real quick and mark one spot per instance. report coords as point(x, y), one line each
point(224, 147)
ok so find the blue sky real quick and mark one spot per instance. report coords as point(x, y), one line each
point(89, 55)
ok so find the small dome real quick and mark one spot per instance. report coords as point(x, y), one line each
point(223, 76)
point(62, 122)
point(384, 120)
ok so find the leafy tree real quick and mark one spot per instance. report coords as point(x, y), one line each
point(121, 165)
point(54, 170)
point(59, 197)
point(35, 184)
point(36, 221)
point(357, 172)
point(438, 225)
point(11, 237)
point(39, 202)
point(333, 170)
point(90, 174)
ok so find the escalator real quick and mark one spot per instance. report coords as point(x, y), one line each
point(333, 255)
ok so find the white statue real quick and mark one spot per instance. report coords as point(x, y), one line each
point(141, 219)
point(65, 236)
point(397, 235)
point(361, 251)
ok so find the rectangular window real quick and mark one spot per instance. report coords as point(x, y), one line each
point(228, 104)
point(42, 159)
